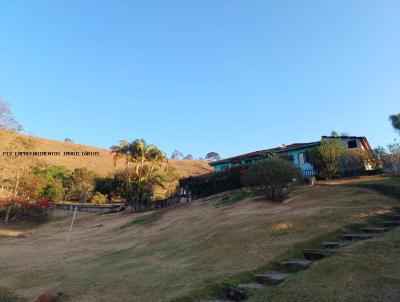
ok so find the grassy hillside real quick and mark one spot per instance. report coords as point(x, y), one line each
point(173, 253)
point(101, 164)
point(366, 271)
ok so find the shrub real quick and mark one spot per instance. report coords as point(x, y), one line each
point(391, 161)
point(53, 191)
point(327, 157)
point(273, 176)
point(45, 182)
point(23, 209)
point(99, 198)
point(81, 184)
point(213, 183)
point(107, 186)
point(355, 161)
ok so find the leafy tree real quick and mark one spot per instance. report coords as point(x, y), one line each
point(213, 156)
point(32, 184)
point(378, 155)
point(54, 190)
point(334, 133)
point(188, 157)
point(45, 182)
point(19, 165)
point(395, 119)
point(170, 179)
point(81, 184)
point(108, 186)
point(273, 176)
point(177, 155)
point(327, 157)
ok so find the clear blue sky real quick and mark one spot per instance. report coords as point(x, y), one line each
point(197, 76)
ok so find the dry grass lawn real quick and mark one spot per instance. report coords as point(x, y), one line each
point(179, 250)
point(365, 271)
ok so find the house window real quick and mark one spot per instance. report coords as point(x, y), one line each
point(352, 144)
point(302, 158)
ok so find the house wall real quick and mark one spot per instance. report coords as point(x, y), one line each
point(345, 142)
point(220, 167)
point(307, 168)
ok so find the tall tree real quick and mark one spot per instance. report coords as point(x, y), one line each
point(213, 156)
point(7, 120)
point(81, 184)
point(188, 157)
point(395, 119)
point(328, 157)
point(177, 155)
point(19, 165)
point(334, 133)
point(143, 169)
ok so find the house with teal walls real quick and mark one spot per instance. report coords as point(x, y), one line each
point(297, 152)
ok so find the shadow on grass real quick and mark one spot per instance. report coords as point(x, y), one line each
point(232, 199)
point(144, 219)
point(389, 187)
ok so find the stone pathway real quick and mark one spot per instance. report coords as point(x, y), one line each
point(288, 268)
point(357, 236)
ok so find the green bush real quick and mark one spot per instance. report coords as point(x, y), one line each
point(99, 198)
point(327, 157)
point(45, 182)
point(273, 176)
point(53, 191)
point(81, 185)
point(213, 183)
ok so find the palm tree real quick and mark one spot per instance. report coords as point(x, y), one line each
point(144, 173)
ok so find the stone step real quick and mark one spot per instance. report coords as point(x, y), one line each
point(374, 230)
point(271, 278)
point(395, 217)
point(296, 265)
point(331, 245)
point(235, 294)
point(314, 255)
point(252, 285)
point(356, 236)
point(391, 223)
point(216, 301)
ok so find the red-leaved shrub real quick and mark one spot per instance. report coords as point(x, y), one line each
point(24, 209)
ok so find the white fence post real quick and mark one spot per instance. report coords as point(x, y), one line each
point(72, 222)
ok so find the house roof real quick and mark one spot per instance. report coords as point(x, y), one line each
point(363, 140)
point(261, 153)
